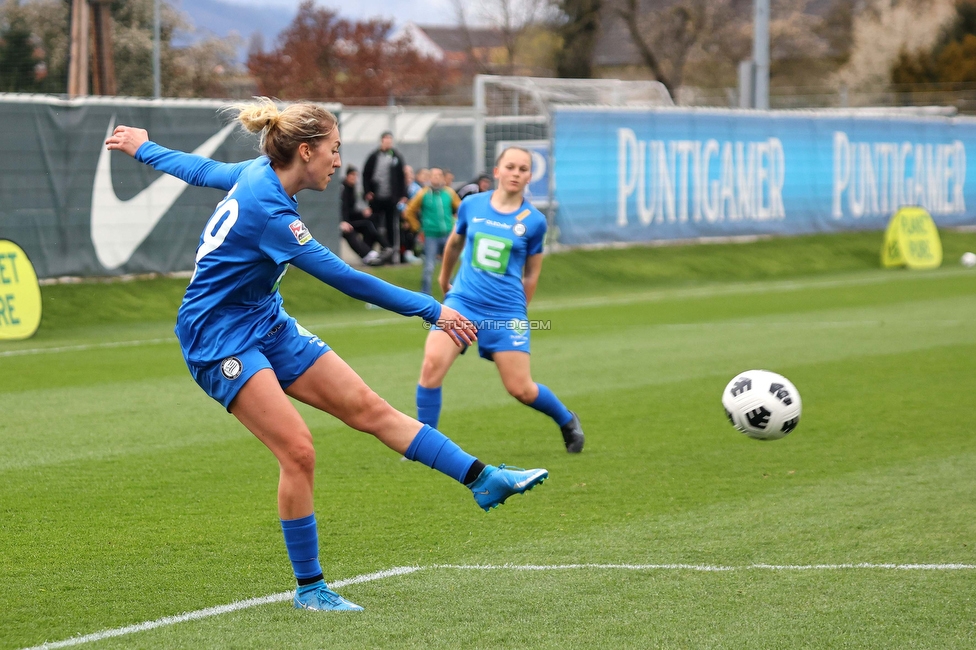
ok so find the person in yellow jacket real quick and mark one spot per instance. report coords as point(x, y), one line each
point(432, 211)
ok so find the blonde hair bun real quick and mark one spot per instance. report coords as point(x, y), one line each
point(283, 130)
point(257, 117)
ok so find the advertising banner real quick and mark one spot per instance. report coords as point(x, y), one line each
point(78, 210)
point(656, 174)
point(20, 294)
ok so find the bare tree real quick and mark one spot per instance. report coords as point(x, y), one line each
point(674, 29)
point(511, 18)
point(671, 34)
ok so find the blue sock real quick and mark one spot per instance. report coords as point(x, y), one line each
point(437, 451)
point(302, 542)
point(429, 405)
point(548, 403)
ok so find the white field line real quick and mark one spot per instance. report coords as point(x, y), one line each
point(565, 303)
point(707, 568)
point(404, 570)
point(87, 346)
point(216, 611)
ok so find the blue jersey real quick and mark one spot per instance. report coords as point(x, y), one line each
point(496, 246)
point(255, 232)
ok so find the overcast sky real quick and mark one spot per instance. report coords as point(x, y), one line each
point(425, 12)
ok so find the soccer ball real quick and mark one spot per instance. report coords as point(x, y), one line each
point(762, 404)
point(968, 260)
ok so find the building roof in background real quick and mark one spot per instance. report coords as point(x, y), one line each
point(459, 39)
point(441, 42)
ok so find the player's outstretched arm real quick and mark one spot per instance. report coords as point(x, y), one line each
point(323, 264)
point(190, 168)
point(530, 275)
point(452, 251)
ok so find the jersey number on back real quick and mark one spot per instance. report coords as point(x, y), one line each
point(223, 219)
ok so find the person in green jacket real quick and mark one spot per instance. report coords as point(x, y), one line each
point(432, 209)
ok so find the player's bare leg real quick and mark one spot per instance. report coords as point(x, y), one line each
point(515, 371)
point(266, 411)
point(332, 386)
point(440, 352)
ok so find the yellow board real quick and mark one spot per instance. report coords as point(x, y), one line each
point(912, 240)
point(20, 295)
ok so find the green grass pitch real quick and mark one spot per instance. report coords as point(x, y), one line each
point(128, 495)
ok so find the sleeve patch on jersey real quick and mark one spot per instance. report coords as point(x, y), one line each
point(300, 230)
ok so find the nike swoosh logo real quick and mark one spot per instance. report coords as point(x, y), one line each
point(477, 219)
point(118, 227)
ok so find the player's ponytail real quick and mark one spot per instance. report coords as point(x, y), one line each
point(282, 130)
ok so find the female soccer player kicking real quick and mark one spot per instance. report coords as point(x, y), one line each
point(501, 237)
point(247, 353)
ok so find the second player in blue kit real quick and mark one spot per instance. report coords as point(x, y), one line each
point(498, 245)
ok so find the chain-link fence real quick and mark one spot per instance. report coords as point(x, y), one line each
point(960, 96)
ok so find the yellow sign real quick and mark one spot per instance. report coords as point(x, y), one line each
point(912, 240)
point(20, 295)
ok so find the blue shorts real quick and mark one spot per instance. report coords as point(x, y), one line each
point(288, 349)
point(496, 332)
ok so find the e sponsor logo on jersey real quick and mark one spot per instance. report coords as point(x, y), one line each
point(300, 230)
point(231, 368)
point(491, 253)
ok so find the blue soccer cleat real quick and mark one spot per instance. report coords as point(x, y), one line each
point(495, 484)
point(319, 598)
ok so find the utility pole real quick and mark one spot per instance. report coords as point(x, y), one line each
point(103, 70)
point(760, 54)
point(78, 54)
point(157, 82)
point(754, 73)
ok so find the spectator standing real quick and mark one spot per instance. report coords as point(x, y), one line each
point(384, 185)
point(481, 184)
point(357, 228)
point(413, 185)
point(423, 178)
point(433, 208)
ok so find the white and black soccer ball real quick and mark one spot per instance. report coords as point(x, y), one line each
point(762, 404)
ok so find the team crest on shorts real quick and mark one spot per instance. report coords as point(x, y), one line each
point(300, 230)
point(519, 229)
point(231, 368)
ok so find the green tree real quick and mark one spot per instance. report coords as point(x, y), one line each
point(18, 61)
point(579, 27)
point(49, 23)
point(35, 35)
